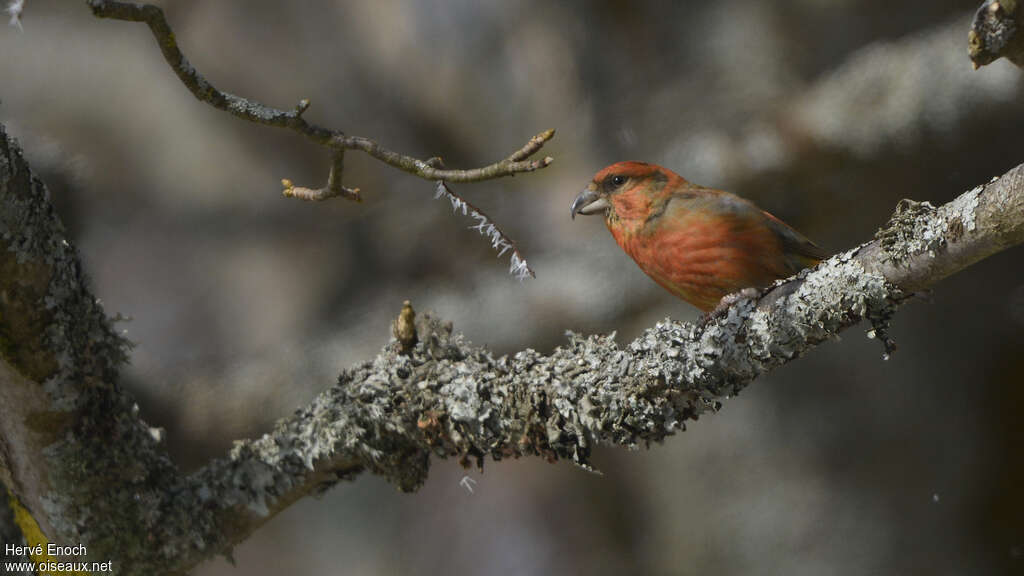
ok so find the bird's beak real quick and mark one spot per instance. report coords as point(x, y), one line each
point(588, 202)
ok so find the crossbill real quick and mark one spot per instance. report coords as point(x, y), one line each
point(698, 243)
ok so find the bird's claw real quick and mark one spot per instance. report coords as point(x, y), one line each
point(725, 303)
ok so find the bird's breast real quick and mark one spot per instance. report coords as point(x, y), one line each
point(700, 259)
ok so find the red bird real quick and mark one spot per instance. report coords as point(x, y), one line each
point(698, 243)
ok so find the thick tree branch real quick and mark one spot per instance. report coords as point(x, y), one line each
point(996, 33)
point(449, 398)
point(76, 455)
point(335, 140)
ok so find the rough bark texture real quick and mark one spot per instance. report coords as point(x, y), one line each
point(995, 33)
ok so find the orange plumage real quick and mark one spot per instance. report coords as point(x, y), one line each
point(698, 243)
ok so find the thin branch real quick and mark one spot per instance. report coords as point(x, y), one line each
point(518, 267)
point(513, 164)
point(333, 188)
point(335, 140)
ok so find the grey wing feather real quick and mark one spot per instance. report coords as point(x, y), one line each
point(800, 251)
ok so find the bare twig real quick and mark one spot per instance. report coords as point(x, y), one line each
point(335, 140)
point(487, 228)
point(333, 187)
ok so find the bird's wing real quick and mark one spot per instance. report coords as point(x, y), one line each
point(796, 245)
point(799, 252)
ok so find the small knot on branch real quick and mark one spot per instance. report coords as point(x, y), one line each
point(404, 328)
point(319, 194)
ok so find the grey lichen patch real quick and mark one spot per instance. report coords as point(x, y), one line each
point(448, 398)
point(751, 341)
point(922, 244)
point(913, 229)
point(971, 203)
point(963, 210)
point(850, 291)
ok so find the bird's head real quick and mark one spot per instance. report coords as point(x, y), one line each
point(625, 190)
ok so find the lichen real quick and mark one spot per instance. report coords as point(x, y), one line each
point(448, 398)
point(109, 486)
point(911, 230)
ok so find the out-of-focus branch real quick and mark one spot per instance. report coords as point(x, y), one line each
point(89, 470)
point(889, 95)
point(14, 10)
point(996, 33)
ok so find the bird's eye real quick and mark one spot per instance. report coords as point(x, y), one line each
point(618, 180)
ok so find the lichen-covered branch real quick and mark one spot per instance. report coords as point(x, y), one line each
point(76, 455)
point(996, 33)
point(518, 267)
point(448, 398)
point(335, 140)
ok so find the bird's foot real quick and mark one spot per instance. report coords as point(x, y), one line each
point(723, 305)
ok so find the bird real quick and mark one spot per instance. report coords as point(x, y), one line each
point(698, 243)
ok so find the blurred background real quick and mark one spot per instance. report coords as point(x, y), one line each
point(243, 305)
